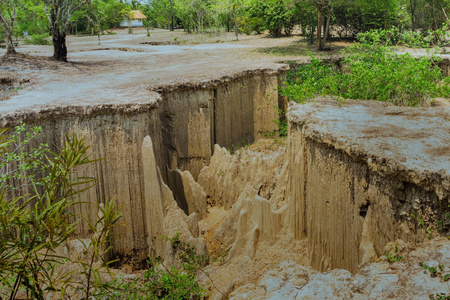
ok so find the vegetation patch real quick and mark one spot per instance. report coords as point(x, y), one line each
point(370, 73)
point(412, 39)
point(37, 39)
point(160, 281)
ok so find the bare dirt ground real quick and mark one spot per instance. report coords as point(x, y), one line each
point(125, 66)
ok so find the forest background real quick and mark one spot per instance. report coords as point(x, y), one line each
point(36, 20)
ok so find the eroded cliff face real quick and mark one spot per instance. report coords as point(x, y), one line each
point(115, 134)
point(183, 123)
point(355, 184)
point(198, 116)
point(345, 184)
point(347, 188)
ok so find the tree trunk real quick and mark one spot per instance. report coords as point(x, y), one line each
point(9, 43)
point(236, 28)
point(59, 45)
point(412, 7)
point(319, 45)
point(311, 35)
point(327, 27)
point(8, 25)
point(172, 28)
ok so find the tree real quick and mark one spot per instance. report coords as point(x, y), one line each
point(172, 14)
point(59, 13)
point(8, 14)
point(305, 11)
point(185, 14)
point(328, 6)
point(162, 12)
point(276, 15)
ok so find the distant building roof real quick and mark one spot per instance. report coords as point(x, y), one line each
point(136, 14)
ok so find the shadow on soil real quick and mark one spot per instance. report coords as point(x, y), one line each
point(301, 48)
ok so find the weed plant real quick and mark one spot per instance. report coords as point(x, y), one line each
point(237, 146)
point(392, 256)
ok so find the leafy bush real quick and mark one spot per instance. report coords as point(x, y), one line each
point(371, 73)
point(21, 165)
point(394, 36)
point(272, 15)
point(275, 17)
point(248, 25)
point(37, 39)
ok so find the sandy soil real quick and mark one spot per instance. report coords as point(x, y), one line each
point(122, 68)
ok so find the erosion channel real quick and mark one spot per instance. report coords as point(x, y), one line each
point(337, 194)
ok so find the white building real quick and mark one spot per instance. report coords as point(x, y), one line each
point(136, 19)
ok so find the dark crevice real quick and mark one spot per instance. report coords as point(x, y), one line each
point(363, 209)
point(214, 133)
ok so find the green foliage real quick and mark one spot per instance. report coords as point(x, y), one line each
point(370, 73)
point(162, 282)
point(393, 256)
point(32, 19)
point(37, 39)
point(272, 15)
point(38, 191)
point(19, 164)
point(236, 146)
point(281, 123)
point(33, 226)
point(436, 272)
point(277, 16)
point(394, 36)
point(439, 296)
point(249, 25)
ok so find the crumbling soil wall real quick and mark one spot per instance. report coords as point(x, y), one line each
point(183, 125)
point(230, 111)
point(115, 135)
point(353, 185)
point(354, 172)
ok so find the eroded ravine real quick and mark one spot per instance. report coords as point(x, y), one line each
point(184, 123)
point(342, 187)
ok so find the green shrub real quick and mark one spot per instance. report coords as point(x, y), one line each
point(272, 15)
point(37, 39)
point(393, 36)
point(37, 191)
point(248, 25)
point(281, 123)
point(162, 282)
point(370, 73)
